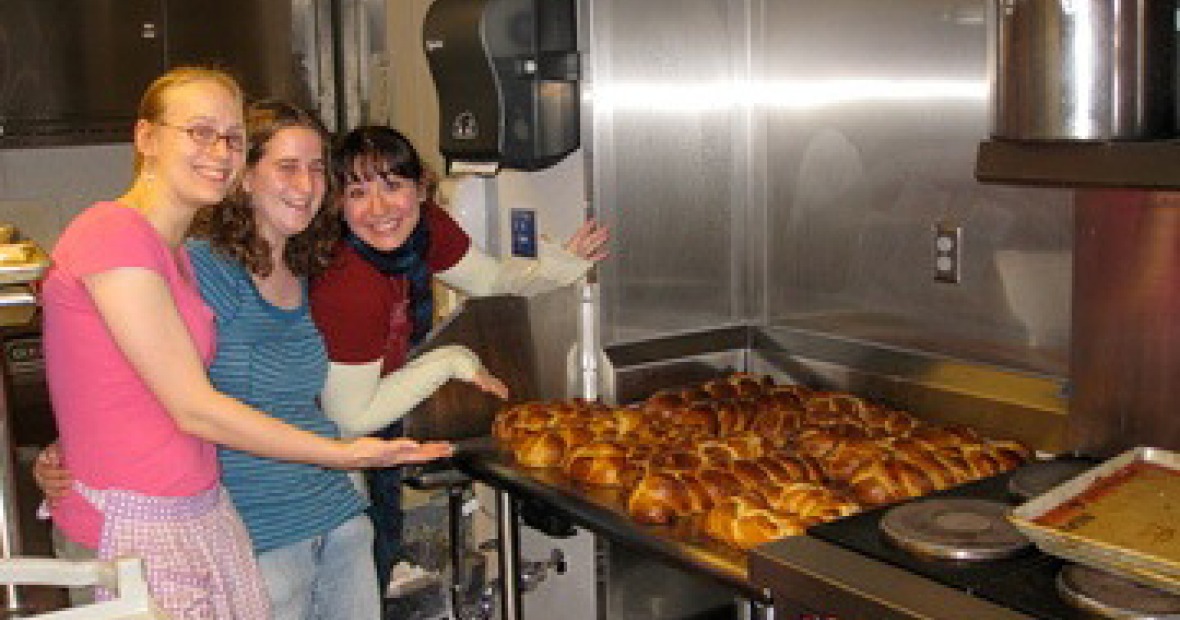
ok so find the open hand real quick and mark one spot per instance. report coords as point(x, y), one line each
point(589, 241)
point(51, 475)
point(488, 383)
point(371, 452)
point(420, 452)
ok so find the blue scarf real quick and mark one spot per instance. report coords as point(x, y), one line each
point(409, 261)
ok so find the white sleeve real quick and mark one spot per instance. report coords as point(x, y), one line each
point(480, 275)
point(361, 401)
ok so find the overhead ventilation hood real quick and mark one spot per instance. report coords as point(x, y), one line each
point(1083, 94)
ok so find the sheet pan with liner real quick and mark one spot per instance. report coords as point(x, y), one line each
point(1122, 516)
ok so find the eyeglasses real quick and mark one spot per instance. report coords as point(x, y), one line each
point(206, 136)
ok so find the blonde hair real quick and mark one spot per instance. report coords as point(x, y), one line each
point(155, 99)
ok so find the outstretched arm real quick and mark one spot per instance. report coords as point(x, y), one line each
point(361, 401)
point(480, 275)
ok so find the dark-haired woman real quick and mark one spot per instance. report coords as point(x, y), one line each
point(252, 258)
point(374, 302)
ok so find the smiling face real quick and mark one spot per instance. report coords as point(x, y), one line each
point(193, 173)
point(287, 183)
point(381, 207)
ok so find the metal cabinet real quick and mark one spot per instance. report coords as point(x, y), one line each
point(72, 71)
point(253, 40)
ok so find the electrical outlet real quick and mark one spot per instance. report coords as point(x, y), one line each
point(524, 233)
point(948, 252)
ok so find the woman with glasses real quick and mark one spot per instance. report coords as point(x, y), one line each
point(127, 342)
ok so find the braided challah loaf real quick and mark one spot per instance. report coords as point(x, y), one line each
point(746, 521)
point(718, 483)
point(659, 498)
point(539, 449)
point(602, 463)
point(812, 501)
point(849, 454)
point(888, 480)
point(783, 467)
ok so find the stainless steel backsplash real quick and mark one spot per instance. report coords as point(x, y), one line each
point(785, 163)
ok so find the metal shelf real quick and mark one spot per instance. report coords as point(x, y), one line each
point(1142, 165)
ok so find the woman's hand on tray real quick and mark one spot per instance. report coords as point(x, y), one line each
point(421, 452)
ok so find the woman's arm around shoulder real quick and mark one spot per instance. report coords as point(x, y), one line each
point(141, 314)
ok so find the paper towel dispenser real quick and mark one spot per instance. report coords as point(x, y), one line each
point(507, 73)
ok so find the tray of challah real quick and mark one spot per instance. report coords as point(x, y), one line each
point(741, 460)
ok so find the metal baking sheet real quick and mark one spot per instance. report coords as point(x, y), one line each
point(17, 295)
point(1132, 528)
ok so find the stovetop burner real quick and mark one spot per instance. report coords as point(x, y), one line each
point(1035, 479)
point(954, 529)
point(1112, 596)
point(1025, 582)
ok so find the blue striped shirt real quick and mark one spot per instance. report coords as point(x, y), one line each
point(273, 359)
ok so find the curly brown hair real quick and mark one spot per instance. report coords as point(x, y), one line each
point(230, 227)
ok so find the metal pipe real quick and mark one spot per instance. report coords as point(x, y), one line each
point(455, 494)
point(755, 610)
point(10, 541)
point(509, 556)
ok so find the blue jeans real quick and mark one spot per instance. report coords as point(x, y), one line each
point(327, 577)
point(385, 509)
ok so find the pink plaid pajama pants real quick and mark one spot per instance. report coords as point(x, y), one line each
point(196, 552)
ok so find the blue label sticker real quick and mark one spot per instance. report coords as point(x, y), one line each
point(524, 233)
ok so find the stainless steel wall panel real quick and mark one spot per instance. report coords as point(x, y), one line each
point(669, 149)
point(634, 370)
point(311, 40)
point(360, 48)
point(874, 112)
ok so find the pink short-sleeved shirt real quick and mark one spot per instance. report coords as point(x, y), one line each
point(114, 432)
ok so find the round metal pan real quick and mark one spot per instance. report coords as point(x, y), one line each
point(954, 529)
